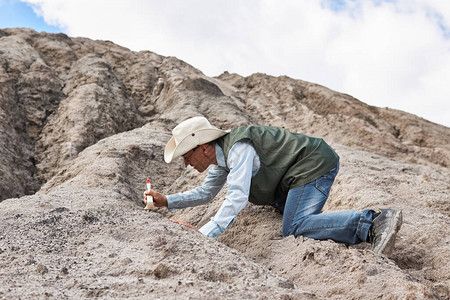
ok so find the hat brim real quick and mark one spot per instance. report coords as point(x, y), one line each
point(191, 141)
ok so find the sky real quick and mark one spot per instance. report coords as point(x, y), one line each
point(386, 53)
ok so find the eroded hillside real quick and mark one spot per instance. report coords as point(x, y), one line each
point(83, 123)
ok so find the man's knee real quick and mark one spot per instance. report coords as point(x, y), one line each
point(285, 232)
point(293, 229)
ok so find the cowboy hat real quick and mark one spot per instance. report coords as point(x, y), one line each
point(189, 134)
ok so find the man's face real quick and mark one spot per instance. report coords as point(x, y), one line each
point(200, 157)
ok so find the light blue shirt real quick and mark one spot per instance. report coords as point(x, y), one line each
point(243, 163)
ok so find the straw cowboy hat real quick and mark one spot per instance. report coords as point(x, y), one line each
point(189, 134)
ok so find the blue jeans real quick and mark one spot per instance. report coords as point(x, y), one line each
point(302, 215)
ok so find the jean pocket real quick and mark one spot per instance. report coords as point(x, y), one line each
point(324, 183)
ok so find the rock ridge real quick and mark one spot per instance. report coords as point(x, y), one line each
point(83, 123)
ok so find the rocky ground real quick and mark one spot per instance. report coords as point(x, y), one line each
point(83, 123)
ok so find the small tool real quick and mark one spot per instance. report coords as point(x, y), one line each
point(150, 205)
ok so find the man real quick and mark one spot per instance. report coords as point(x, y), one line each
point(271, 166)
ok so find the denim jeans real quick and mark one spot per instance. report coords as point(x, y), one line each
point(302, 215)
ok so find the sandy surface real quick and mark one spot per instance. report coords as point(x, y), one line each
point(82, 125)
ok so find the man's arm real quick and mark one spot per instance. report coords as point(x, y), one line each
point(214, 181)
point(242, 168)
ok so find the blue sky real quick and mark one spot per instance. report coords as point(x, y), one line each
point(387, 53)
point(14, 13)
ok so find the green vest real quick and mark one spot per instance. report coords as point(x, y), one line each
point(288, 160)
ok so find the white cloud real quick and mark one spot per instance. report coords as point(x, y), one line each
point(385, 53)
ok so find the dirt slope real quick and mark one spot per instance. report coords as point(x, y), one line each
point(83, 123)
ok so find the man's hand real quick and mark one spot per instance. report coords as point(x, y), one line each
point(185, 224)
point(159, 200)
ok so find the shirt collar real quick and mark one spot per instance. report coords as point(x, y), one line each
point(220, 156)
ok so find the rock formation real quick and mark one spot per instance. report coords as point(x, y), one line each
point(83, 123)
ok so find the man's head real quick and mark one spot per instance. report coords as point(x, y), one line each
point(201, 156)
point(190, 134)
